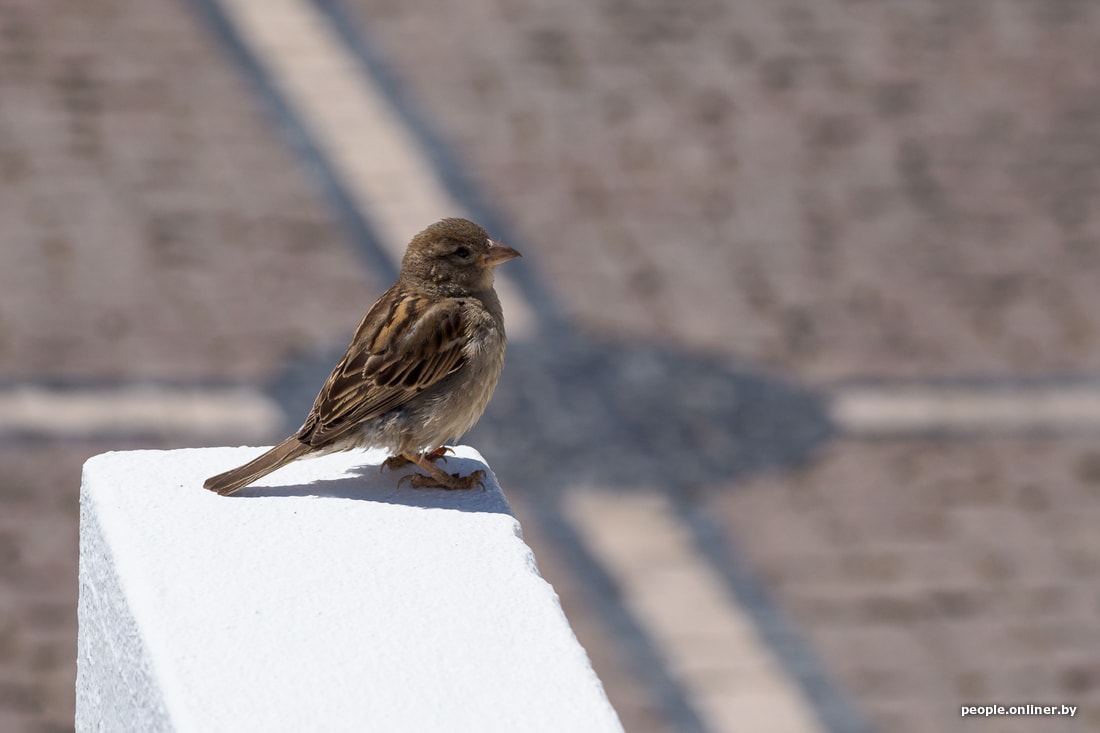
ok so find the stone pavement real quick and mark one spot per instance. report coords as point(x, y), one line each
point(816, 191)
point(138, 200)
point(835, 191)
point(151, 220)
point(929, 575)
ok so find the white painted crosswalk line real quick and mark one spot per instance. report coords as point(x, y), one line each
point(193, 412)
point(892, 409)
point(377, 157)
point(708, 642)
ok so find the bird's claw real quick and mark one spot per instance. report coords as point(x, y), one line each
point(394, 462)
point(400, 461)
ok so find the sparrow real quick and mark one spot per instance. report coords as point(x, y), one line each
point(420, 369)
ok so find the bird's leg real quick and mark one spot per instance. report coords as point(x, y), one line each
point(437, 478)
point(400, 461)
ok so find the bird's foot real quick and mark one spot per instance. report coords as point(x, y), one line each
point(400, 461)
point(442, 480)
point(437, 478)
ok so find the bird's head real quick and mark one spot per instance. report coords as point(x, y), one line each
point(453, 257)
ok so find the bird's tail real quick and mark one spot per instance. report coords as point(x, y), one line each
point(282, 454)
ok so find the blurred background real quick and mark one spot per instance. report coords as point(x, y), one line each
point(801, 408)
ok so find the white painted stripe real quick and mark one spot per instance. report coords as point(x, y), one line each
point(387, 172)
point(244, 414)
point(708, 642)
point(907, 409)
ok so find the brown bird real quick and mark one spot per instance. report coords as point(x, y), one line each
point(420, 369)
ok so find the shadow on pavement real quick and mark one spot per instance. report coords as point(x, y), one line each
point(573, 411)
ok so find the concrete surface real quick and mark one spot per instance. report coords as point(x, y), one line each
point(320, 598)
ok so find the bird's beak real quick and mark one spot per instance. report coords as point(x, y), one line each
point(498, 253)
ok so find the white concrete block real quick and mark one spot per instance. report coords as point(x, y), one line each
point(321, 599)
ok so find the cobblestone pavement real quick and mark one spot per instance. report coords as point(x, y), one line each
point(829, 191)
point(817, 191)
point(150, 218)
point(833, 189)
point(132, 200)
point(934, 575)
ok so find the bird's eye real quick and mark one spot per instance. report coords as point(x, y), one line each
point(462, 252)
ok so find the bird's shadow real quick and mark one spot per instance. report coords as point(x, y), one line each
point(371, 482)
point(571, 410)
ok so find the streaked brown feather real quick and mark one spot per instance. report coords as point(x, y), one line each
point(405, 344)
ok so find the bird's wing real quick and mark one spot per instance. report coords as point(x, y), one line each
point(405, 344)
